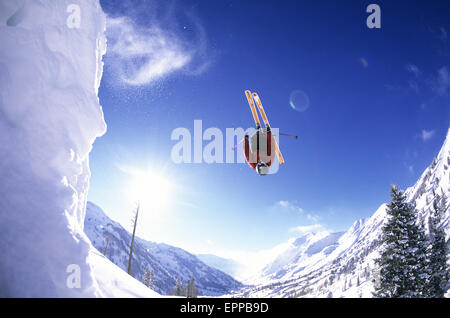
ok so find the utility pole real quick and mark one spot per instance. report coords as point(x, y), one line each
point(132, 238)
point(107, 241)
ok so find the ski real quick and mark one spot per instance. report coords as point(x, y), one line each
point(253, 108)
point(266, 122)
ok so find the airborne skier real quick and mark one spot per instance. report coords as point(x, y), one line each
point(261, 156)
point(263, 145)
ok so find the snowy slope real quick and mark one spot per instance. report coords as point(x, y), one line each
point(166, 261)
point(342, 265)
point(49, 118)
point(114, 282)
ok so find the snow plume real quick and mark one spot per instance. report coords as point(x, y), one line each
point(142, 53)
point(427, 134)
point(140, 56)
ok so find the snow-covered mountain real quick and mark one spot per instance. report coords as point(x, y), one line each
point(166, 261)
point(342, 264)
point(302, 252)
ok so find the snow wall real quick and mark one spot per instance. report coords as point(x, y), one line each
point(50, 70)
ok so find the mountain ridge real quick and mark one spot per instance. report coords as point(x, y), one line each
point(167, 262)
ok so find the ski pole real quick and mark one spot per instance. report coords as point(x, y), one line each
point(235, 146)
point(288, 135)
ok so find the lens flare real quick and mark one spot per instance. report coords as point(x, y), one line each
point(299, 100)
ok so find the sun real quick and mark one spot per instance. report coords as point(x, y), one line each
point(152, 190)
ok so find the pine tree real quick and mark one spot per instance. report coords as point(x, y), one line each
point(331, 279)
point(178, 291)
point(440, 273)
point(179, 288)
point(146, 279)
point(191, 289)
point(420, 262)
point(151, 284)
point(402, 263)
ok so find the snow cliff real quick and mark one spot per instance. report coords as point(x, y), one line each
point(50, 71)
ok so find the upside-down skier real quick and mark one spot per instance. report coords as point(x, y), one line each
point(260, 157)
point(260, 151)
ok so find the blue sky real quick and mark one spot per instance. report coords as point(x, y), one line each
point(378, 113)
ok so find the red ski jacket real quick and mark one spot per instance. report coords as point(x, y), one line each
point(259, 153)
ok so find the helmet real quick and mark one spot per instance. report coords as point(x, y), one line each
point(262, 169)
